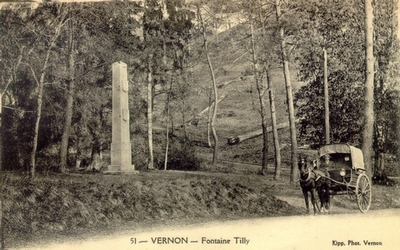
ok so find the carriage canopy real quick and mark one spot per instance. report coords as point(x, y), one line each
point(357, 158)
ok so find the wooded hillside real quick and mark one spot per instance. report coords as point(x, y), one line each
point(56, 78)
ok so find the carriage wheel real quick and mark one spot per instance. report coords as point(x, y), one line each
point(363, 193)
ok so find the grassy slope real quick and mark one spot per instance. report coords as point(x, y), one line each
point(238, 113)
point(67, 204)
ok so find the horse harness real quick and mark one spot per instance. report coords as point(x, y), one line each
point(309, 173)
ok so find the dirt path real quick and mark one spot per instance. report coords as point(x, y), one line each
point(300, 203)
point(379, 228)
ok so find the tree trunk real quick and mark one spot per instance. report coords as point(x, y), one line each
point(1, 138)
point(39, 110)
point(261, 91)
point(277, 174)
point(40, 84)
point(381, 165)
point(70, 101)
point(326, 99)
point(240, 138)
point(214, 115)
point(78, 156)
point(167, 126)
point(274, 128)
point(96, 158)
point(164, 59)
point(1, 174)
point(183, 117)
point(150, 163)
point(37, 123)
point(369, 89)
point(209, 115)
point(289, 96)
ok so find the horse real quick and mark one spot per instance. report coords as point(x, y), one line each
point(308, 184)
point(323, 186)
point(314, 181)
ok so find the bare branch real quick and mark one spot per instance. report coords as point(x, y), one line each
point(33, 72)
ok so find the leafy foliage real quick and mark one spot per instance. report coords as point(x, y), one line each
point(338, 27)
point(343, 99)
point(114, 31)
point(387, 92)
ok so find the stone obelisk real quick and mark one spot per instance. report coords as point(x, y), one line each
point(121, 155)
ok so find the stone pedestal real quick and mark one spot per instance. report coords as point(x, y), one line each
point(121, 155)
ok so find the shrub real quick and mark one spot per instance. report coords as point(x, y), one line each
point(182, 156)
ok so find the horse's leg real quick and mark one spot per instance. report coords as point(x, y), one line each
point(327, 198)
point(315, 204)
point(305, 193)
point(323, 204)
point(328, 204)
point(324, 196)
point(321, 197)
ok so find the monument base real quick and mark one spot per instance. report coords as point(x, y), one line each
point(119, 169)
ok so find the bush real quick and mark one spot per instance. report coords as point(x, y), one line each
point(139, 152)
point(182, 156)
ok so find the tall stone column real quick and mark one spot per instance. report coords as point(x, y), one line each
point(121, 156)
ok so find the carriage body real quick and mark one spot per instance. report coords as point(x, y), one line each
point(344, 167)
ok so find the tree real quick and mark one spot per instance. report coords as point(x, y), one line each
point(323, 29)
point(258, 75)
point(40, 35)
point(176, 27)
point(12, 52)
point(107, 34)
point(70, 98)
point(386, 96)
point(265, 58)
point(267, 68)
point(152, 26)
point(261, 89)
point(326, 99)
point(369, 87)
point(215, 89)
point(336, 26)
point(277, 172)
point(166, 27)
point(289, 96)
point(46, 23)
point(150, 111)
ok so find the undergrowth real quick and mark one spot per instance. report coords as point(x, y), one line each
point(67, 203)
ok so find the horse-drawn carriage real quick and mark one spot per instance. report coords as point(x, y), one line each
point(340, 170)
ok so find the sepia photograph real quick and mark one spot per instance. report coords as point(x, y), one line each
point(200, 124)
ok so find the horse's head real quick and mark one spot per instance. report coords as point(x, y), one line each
point(302, 164)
